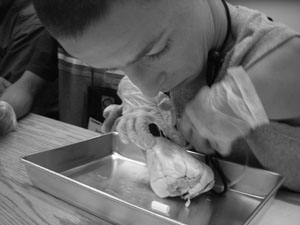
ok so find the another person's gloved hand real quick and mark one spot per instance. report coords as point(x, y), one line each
point(226, 111)
point(8, 121)
point(139, 111)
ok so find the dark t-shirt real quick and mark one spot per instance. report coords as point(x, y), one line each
point(25, 44)
point(44, 63)
point(44, 59)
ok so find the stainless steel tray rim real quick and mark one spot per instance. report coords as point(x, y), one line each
point(58, 174)
point(102, 193)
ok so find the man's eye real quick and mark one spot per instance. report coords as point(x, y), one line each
point(157, 56)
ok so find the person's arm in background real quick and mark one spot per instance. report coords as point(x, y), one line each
point(41, 69)
point(21, 94)
point(22, 64)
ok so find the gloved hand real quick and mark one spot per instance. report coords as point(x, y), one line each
point(139, 111)
point(8, 121)
point(111, 113)
point(224, 112)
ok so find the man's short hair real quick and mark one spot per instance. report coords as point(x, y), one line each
point(70, 18)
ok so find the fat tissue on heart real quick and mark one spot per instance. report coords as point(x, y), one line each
point(175, 172)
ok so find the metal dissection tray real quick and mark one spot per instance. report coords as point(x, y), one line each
point(110, 180)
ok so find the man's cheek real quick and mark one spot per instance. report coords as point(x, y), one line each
point(199, 143)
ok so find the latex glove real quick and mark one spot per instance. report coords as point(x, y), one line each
point(139, 111)
point(226, 111)
point(111, 113)
point(8, 121)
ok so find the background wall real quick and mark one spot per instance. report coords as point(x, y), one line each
point(284, 11)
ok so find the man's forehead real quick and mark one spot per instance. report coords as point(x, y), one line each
point(109, 43)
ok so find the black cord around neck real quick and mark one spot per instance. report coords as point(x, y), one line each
point(214, 63)
point(216, 57)
point(228, 26)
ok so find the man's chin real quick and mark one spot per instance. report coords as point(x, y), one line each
point(177, 87)
point(154, 93)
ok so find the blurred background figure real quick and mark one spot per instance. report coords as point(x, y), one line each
point(37, 75)
point(28, 60)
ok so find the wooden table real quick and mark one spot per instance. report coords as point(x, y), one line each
point(21, 203)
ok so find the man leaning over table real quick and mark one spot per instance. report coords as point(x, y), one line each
point(226, 67)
